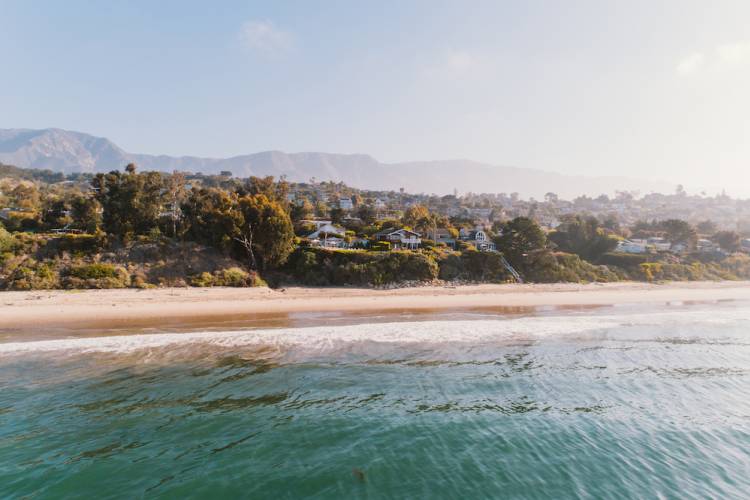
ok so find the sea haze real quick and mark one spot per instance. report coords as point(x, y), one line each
point(68, 151)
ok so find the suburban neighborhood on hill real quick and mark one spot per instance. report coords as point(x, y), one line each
point(131, 228)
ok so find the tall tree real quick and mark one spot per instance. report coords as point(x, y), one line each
point(678, 231)
point(414, 215)
point(367, 213)
point(582, 236)
point(727, 240)
point(301, 211)
point(706, 227)
point(175, 195)
point(212, 217)
point(267, 186)
point(131, 201)
point(26, 195)
point(520, 239)
point(266, 231)
point(84, 213)
point(55, 213)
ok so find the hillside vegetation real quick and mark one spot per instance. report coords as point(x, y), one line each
point(140, 230)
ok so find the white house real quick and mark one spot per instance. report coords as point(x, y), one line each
point(659, 243)
point(678, 248)
point(327, 230)
point(331, 242)
point(317, 223)
point(706, 246)
point(346, 204)
point(400, 238)
point(631, 246)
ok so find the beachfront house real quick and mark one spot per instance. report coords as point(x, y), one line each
point(678, 248)
point(706, 246)
point(631, 246)
point(444, 236)
point(478, 238)
point(328, 235)
point(400, 238)
point(660, 244)
point(328, 229)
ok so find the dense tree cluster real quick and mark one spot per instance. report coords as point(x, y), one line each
point(584, 237)
point(252, 218)
point(522, 241)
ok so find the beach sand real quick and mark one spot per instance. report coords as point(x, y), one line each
point(61, 308)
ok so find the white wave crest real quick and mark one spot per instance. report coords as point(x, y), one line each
point(325, 337)
point(320, 337)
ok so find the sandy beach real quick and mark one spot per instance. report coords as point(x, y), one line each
point(60, 308)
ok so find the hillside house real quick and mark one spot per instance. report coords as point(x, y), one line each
point(327, 230)
point(479, 238)
point(659, 244)
point(632, 246)
point(400, 238)
point(706, 246)
point(444, 236)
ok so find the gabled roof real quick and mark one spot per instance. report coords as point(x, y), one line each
point(328, 229)
point(391, 230)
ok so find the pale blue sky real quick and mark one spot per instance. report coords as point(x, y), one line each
point(653, 89)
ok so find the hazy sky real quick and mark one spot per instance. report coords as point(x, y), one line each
point(646, 89)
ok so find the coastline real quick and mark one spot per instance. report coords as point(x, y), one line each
point(72, 308)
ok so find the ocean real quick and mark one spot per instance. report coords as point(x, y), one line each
point(608, 402)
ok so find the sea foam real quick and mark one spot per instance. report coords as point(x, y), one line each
point(323, 337)
point(320, 337)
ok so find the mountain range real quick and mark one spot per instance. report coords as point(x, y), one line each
point(67, 151)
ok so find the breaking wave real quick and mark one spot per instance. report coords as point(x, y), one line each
point(328, 338)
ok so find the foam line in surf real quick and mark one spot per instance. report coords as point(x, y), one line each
point(394, 332)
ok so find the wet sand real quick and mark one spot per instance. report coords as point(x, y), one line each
point(175, 307)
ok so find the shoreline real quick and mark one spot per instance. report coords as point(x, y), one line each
point(81, 308)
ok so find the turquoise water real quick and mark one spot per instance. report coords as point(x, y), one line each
point(610, 403)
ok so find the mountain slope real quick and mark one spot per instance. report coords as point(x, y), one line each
point(67, 151)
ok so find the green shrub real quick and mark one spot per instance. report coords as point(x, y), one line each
point(97, 275)
point(629, 261)
point(381, 246)
point(232, 277)
point(33, 275)
point(76, 244)
point(564, 267)
point(738, 265)
point(7, 241)
point(324, 267)
point(473, 266)
point(204, 279)
point(93, 271)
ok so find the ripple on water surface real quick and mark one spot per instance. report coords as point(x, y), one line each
point(590, 404)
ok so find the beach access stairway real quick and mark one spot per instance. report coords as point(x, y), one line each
point(511, 270)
